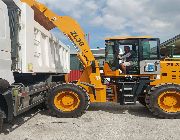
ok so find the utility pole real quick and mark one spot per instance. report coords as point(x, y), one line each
point(88, 38)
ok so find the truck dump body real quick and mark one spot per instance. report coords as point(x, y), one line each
point(5, 44)
point(34, 48)
point(40, 51)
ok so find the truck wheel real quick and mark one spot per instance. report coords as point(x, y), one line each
point(1, 120)
point(68, 101)
point(164, 101)
point(4, 85)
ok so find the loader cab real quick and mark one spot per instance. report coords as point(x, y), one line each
point(144, 58)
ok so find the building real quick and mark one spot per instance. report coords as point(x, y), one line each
point(171, 47)
point(76, 66)
point(99, 55)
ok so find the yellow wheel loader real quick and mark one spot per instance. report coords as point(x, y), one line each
point(146, 78)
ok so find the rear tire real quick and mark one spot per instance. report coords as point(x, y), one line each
point(164, 101)
point(68, 101)
point(4, 85)
point(1, 120)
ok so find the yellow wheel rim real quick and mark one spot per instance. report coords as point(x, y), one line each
point(169, 101)
point(66, 101)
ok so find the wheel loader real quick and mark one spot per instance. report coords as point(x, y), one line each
point(149, 79)
point(152, 81)
point(145, 77)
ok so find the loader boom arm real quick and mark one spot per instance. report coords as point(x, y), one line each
point(90, 78)
point(69, 27)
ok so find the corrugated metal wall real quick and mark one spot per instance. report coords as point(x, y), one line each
point(74, 75)
point(75, 66)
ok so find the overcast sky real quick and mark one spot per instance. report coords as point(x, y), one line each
point(104, 18)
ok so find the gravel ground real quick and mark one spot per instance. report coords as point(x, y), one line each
point(101, 122)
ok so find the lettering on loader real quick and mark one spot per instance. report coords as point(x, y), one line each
point(76, 37)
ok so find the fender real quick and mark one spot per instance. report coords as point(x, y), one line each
point(9, 109)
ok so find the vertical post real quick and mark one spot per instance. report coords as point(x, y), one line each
point(89, 38)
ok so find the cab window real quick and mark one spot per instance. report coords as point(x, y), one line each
point(150, 49)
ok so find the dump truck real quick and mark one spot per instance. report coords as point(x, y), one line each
point(32, 60)
point(148, 78)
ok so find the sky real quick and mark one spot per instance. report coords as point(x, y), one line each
point(107, 18)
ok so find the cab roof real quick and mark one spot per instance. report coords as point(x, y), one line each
point(128, 37)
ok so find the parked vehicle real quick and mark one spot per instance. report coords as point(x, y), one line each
point(32, 60)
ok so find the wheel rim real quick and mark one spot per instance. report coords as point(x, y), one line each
point(170, 101)
point(66, 101)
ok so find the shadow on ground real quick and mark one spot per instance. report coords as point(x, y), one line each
point(136, 110)
point(21, 119)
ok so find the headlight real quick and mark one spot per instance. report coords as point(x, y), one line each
point(150, 67)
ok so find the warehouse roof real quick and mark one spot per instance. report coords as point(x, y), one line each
point(127, 37)
point(175, 41)
point(171, 41)
point(96, 52)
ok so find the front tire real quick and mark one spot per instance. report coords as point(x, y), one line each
point(164, 101)
point(68, 101)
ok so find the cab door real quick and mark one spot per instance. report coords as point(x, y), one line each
point(150, 56)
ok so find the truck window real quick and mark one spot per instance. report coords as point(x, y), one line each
point(2, 24)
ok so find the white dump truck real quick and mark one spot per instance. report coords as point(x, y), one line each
point(32, 60)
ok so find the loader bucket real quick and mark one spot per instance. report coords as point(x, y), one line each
point(42, 20)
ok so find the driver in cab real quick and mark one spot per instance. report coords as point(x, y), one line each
point(126, 59)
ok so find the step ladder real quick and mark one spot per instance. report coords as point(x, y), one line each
point(127, 93)
point(109, 95)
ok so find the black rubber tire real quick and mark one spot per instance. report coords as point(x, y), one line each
point(142, 101)
point(4, 85)
point(152, 101)
point(1, 120)
point(79, 111)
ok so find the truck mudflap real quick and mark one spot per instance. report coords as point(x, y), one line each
point(9, 105)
